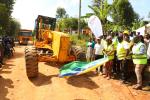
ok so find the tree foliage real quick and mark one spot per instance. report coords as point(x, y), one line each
point(97, 3)
point(120, 11)
point(123, 13)
point(102, 11)
point(14, 27)
point(4, 18)
point(70, 24)
point(9, 5)
point(61, 13)
point(6, 8)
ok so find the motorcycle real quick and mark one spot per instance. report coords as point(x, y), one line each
point(8, 50)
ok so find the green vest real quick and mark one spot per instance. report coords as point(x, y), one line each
point(139, 58)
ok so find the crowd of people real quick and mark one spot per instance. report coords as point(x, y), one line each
point(128, 54)
point(6, 48)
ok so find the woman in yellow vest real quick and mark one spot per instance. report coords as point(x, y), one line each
point(139, 59)
point(109, 51)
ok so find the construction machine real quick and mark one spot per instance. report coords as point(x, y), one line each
point(25, 36)
point(50, 46)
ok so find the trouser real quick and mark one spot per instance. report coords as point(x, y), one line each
point(89, 54)
point(1, 60)
point(1, 57)
point(123, 69)
point(108, 68)
point(114, 67)
point(118, 68)
point(101, 67)
point(138, 72)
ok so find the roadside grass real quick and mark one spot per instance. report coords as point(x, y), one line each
point(79, 41)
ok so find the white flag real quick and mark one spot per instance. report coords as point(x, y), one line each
point(95, 25)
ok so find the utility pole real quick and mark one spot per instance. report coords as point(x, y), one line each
point(79, 18)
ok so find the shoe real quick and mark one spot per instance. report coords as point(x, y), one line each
point(146, 88)
point(137, 87)
point(124, 82)
point(100, 73)
point(113, 77)
point(95, 72)
point(108, 78)
point(105, 76)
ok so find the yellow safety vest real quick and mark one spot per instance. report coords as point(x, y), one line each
point(129, 44)
point(138, 58)
point(121, 51)
point(108, 49)
point(115, 42)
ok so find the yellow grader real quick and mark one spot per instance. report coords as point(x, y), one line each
point(50, 46)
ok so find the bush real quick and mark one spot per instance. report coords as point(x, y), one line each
point(79, 41)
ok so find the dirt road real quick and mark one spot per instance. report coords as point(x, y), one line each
point(14, 84)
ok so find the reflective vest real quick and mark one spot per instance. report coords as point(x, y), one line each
point(129, 56)
point(109, 49)
point(115, 42)
point(137, 57)
point(121, 51)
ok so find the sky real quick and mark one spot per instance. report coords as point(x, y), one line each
point(26, 11)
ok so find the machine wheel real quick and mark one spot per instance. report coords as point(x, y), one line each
point(78, 52)
point(31, 59)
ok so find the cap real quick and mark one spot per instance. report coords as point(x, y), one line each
point(126, 32)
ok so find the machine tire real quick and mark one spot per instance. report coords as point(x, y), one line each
point(31, 59)
point(78, 52)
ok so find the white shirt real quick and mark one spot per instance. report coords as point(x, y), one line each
point(142, 49)
point(89, 44)
point(126, 45)
point(98, 49)
point(148, 51)
point(104, 43)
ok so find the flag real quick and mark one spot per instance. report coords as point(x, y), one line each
point(95, 25)
point(78, 67)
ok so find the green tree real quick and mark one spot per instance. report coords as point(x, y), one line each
point(97, 3)
point(138, 22)
point(61, 13)
point(14, 27)
point(123, 13)
point(4, 19)
point(103, 11)
point(70, 24)
point(9, 5)
point(3, 14)
point(6, 7)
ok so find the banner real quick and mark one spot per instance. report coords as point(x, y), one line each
point(95, 25)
